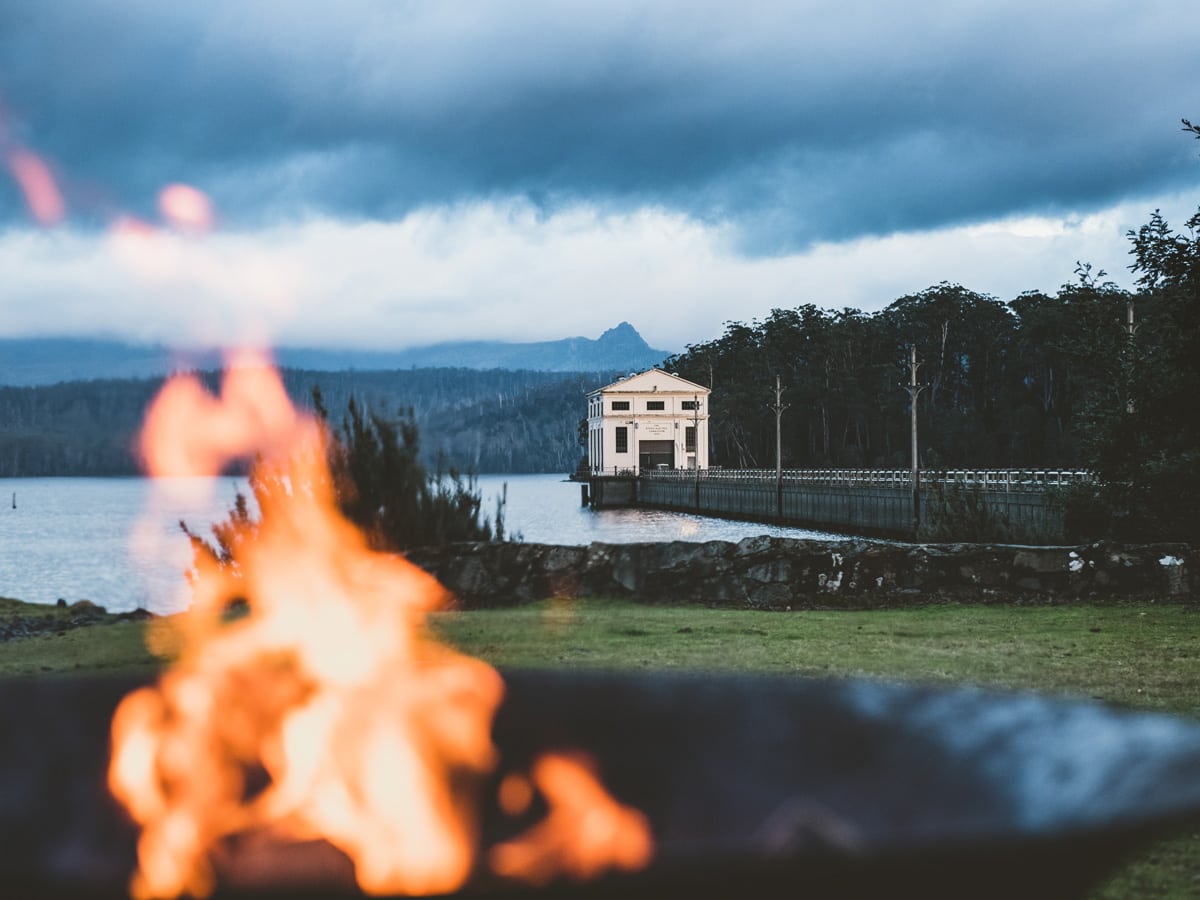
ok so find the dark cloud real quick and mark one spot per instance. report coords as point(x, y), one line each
point(797, 122)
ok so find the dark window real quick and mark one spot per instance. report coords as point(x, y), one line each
point(656, 404)
point(690, 404)
point(619, 405)
point(689, 439)
point(622, 439)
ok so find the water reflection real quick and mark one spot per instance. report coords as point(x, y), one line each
point(545, 509)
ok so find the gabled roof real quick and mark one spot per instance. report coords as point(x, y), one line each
point(650, 381)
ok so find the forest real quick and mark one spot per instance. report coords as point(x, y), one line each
point(482, 421)
point(1003, 384)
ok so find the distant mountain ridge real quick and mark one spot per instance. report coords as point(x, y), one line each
point(43, 361)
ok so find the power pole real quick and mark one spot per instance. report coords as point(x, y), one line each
point(914, 390)
point(779, 407)
point(1130, 329)
point(695, 444)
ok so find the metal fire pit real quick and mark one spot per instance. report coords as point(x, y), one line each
point(753, 787)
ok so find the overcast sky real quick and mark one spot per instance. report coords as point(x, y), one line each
point(388, 174)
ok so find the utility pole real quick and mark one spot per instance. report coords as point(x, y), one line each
point(778, 408)
point(914, 390)
point(695, 444)
point(1130, 328)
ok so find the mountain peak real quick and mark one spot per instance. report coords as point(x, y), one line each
point(624, 335)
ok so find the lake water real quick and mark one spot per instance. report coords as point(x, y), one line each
point(117, 542)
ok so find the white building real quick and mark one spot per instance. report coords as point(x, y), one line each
point(653, 420)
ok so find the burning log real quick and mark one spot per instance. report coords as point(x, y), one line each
point(766, 787)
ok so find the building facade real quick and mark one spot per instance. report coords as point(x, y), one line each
point(652, 420)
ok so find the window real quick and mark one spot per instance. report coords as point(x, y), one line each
point(689, 439)
point(656, 404)
point(620, 405)
point(622, 439)
point(690, 404)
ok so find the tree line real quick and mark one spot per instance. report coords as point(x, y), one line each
point(482, 421)
point(1004, 384)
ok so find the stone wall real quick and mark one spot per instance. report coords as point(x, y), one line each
point(780, 573)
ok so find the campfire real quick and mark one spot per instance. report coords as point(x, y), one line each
point(326, 710)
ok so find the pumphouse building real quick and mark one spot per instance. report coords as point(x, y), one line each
point(648, 421)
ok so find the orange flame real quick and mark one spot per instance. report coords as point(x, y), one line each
point(42, 195)
point(366, 732)
point(362, 725)
point(585, 834)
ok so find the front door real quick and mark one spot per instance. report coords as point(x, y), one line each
point(656, 454)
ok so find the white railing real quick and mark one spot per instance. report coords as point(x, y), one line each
point(1010, 479)
point(982, 479)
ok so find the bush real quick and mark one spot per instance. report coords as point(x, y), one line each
point(385, 490)
point(380, 485)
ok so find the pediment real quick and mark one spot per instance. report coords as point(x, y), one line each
point(655, 381)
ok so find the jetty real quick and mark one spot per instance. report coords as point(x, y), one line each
point(1019, 505)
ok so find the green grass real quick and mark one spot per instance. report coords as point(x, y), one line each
point(109, 646)
point(1144, 655)
point(119, 647)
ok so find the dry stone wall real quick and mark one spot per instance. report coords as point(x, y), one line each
point(781, 573)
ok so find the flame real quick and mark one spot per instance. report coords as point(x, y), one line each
point(585, 833)
point(363, 726)
point(42, 196)
point(326, 709)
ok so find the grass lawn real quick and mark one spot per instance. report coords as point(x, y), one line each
point(119, 646)
point(1144, 655)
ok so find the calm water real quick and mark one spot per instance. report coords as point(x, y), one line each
point(117, 541)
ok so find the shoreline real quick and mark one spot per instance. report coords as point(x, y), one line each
point(755, 573)
point(20, 619)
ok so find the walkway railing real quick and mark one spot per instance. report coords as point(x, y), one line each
point(983, 479)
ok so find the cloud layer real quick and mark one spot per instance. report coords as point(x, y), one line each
point(403, 172)
point(509, 271)
point(797, 122)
